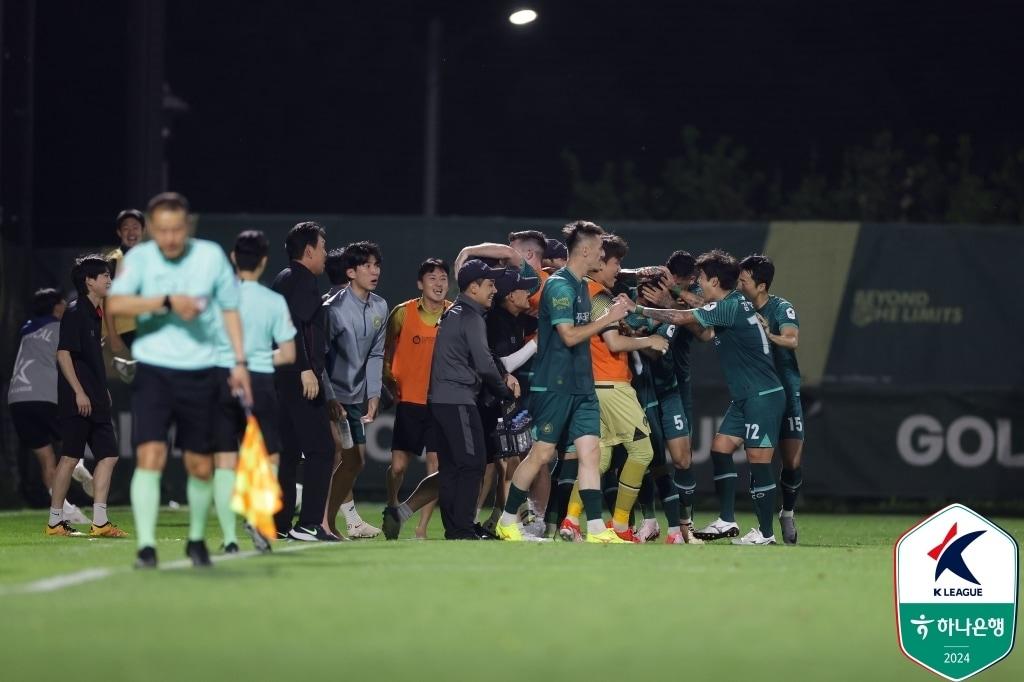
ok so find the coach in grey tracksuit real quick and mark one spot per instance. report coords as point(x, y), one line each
point(462, 363)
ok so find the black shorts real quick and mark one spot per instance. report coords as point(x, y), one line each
point(489, 420)
point(35, 423)
point(414, 429)
point(229, 422)
point(185, 398)
point(77, 432)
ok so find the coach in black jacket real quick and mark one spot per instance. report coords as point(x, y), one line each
point(461, 364)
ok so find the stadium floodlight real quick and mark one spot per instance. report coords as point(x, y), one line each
point(522, 17)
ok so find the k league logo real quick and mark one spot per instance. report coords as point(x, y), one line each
point(956, 578)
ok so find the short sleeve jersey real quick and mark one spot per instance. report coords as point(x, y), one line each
point(780, 314)
point(266, 321)
point(80, 334)
point(557, 367)
point(164, 339)
point(743, 348)
point(680, 348)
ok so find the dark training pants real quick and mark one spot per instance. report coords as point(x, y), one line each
point(305, 430)
point(461, 458)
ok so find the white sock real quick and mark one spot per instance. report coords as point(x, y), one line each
point(404, 512)
point(508, 519)
point(786, 514)
point(56, 516)
point(351, 515)
point(99, 514)
point(596, 526)
point(673, 529)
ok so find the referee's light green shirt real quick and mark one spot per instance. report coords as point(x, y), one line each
point(164, 339)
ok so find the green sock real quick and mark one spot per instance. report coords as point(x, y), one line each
point(551, 513)
point(145, 496)
point(515, 498)
point(200, 495)
point(566, 479)
point(725, 485)
point(686, 485)
point(792, 479)
point(591, 503)
point(646, 497)
point(762, 494)
point(223, 488)
point(669, 499)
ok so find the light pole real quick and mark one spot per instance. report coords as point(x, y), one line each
point(432, 107)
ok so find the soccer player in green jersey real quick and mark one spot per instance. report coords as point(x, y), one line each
point(622, 418)
point(758, 400)
point(183, 292)
point(675, 486)
point(563, 402)
point(781, 325)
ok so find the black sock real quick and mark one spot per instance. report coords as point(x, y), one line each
point(792, 479)
point(725, 485)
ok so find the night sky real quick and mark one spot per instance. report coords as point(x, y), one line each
point(318, 106)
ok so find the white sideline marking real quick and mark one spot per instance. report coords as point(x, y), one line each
point(89, 575)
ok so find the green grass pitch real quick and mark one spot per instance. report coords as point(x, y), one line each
point(376, 610)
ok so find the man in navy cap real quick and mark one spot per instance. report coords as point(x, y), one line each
point(506, 337)
point(462, 363)
point(556, 255)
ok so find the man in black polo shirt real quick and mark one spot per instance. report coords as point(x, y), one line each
point(302, 392)
point(83, 402)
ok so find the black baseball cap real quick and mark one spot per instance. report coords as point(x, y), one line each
point(130, 213)
point(556, 249)
point(512, 280)
point(475, 269)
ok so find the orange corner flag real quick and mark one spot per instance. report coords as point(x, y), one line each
point(257, 495)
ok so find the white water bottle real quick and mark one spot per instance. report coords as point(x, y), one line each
point(346, 433)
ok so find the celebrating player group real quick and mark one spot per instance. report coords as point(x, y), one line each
point(555, 382)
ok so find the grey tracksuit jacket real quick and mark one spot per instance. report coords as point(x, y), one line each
point(462, 361)
point(355, 345)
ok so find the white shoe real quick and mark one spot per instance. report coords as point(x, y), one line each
point(685, 536)
point(649, 530)
point(73, 514)
point(718, 529)
point(754, 537)
point(362, 530)
point(82, 475)
point(537, 528)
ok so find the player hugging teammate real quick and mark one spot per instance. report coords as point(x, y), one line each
point(602, 354)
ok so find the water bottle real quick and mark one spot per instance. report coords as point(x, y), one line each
point(520, 436)
point(346, 434)
point(503, 446)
